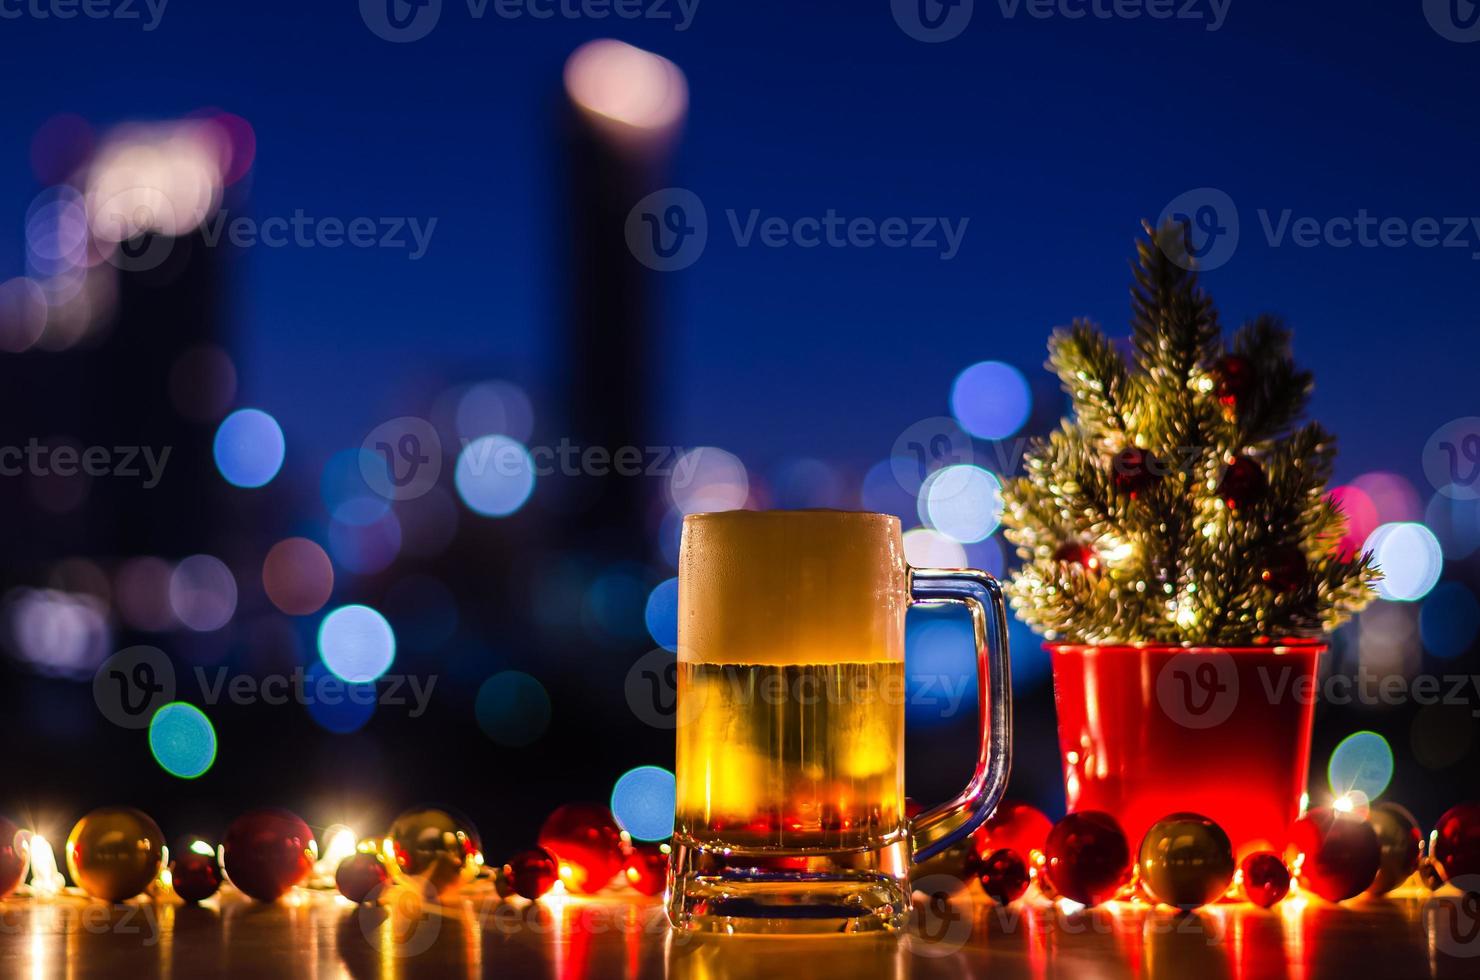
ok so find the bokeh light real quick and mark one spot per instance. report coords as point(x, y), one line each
point(249, 448)
point(1393, 497)
point(203, 593)
point(661, 614)
point(707, 479)
point(626, 85)
point(182, 739)
point(361, 543)
point(59, 634)
point(494, 475)
point(991, 400)
point(924, 548)
point(1361, 763)
point(962, 502)
point(494, 408)
point(164, 178)
point(336, 705)
point(357, 643)
point(1361, 518)
point(298, 576)
point(643, 801)
point(1410, 558)
point(513, 708)
point(1449, 620)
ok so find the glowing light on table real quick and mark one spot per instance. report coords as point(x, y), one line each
point(203, 593)
point(46, 880)
point(924, 548)
point(495, 408)
point(182, 739)
point(1410, 558)
point(340, 842)
point(249, 448)
point(962, 502)
point(494, 475)
point(643, 801)
point(1449, 620)
point(626, 85)
point(661, 614)
point(991, 400)
point(356, 643)
point(512, 708)
point(1361, 764)
point(297, 576)
point(707, 479)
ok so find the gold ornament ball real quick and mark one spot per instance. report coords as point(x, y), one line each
point(114, 852)
point(1402, 845)
point(1186, 860)
point(435, 846)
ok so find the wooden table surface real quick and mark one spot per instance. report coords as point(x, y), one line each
point(319, 935)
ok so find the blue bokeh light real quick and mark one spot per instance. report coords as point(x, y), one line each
point(643, 802)
point(661, 614)
point(249, 448)
point(182, 739)
point(357, 643)
point(991, 400)
point(494, 475)
point(1362, 763)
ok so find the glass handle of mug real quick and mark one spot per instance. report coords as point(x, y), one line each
point(940, 827)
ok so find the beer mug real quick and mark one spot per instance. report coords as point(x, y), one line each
point(790, 720)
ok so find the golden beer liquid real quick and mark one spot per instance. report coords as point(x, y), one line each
point(791, 681)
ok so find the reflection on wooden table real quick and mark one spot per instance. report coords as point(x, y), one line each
point(319, 935)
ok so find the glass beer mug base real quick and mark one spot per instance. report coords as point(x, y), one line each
point(790, 723)
point(725, 890)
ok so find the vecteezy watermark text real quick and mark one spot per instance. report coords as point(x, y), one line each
point(147, 12)
point(125, 462)
point(933, 21)
point(402, 21)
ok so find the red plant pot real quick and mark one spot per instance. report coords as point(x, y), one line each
point(1146, 730)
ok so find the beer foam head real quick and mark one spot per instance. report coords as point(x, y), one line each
point(791, 587)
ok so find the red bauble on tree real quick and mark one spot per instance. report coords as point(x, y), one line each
point(646, 868)
point(267, 852)
point(532, 873)
point(1266, 880)
point(587, 842)
point(1004, 876)
point(1285, 569)
point(1133, 471)
point(12, 857)
point(1233, 378)
point(1087, 857)
point(1078, 553)
point(1456, 846)
point(1337, 855)
point(1243, 483)
point(361, 877)
point(1015, 826)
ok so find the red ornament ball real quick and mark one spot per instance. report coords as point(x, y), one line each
point(12, 858)
point(1285, 569)
point(1243, 483)
point(1078, 553)
point(646, 868)
point(1233, 378)
point(587, 842)
point(1133, 471)
point(361, 877)
point(195, 874)
point(1087, 857)
point(1456, 846)
point(1004, 876)
point(1401, 842)
point(267, 852)
point(532, 872)
point(1266, 879)
point(1337, 854)
point(1014, 826)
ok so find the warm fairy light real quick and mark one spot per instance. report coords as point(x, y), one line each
point(47, 880)
point(202, 848)
point(339, 843)
point(162, 178)
point(626, 85)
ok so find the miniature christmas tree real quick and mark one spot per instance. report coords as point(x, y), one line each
point(1181, 503)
